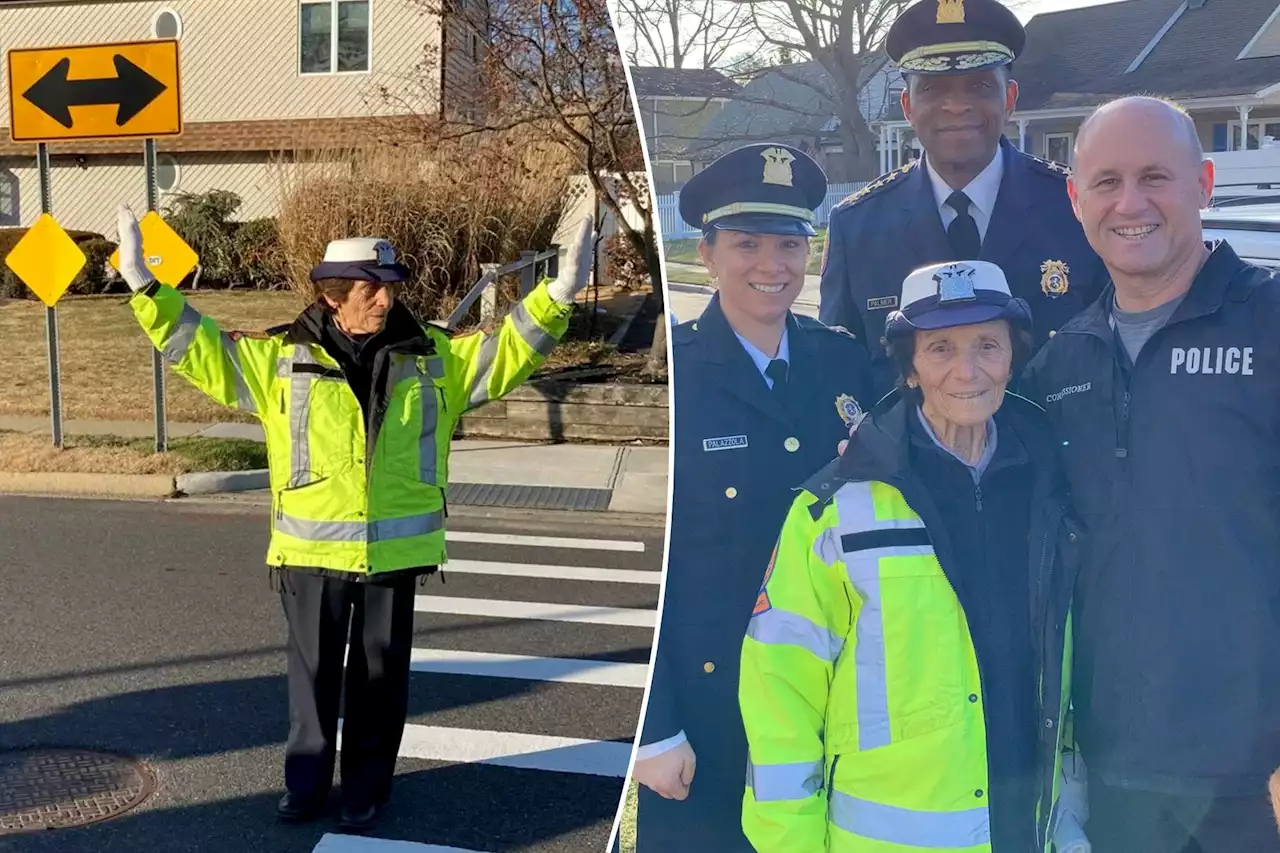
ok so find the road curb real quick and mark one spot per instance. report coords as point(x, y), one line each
point(95, 485)
point(216, 482)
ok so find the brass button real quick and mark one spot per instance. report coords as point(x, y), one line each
point(1052, 333)
point(731, 492)
point(792, 444)
point(695, 325)
point(709, 667)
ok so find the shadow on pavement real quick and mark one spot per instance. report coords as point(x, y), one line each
point(473, 807)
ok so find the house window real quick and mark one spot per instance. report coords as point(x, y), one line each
point(167, 173)
point(1057, 147)
point(166, 25)
point(1258, 130)
point(334, 36)
point(475, 47)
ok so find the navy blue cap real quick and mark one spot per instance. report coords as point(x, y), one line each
point(954, 37)
point(361, 259)
point(761, 189)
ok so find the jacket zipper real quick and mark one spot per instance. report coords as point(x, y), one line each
point(831, 777)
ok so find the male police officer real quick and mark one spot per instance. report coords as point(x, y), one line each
point(761, 398)
point(973, 196)
point(1164, 399)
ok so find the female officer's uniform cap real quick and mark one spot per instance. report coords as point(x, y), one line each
point(762, 189)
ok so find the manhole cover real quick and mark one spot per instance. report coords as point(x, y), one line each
point(56, 788)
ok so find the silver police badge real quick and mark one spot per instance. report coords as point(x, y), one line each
point(850, 412)
point(955, 283)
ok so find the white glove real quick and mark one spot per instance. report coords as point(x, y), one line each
point(575, 272)
point(133, 267)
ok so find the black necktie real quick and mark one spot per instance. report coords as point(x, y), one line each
point(777, 371)
point(963, 231)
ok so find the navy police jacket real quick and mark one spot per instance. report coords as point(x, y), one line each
point(1174, 467)
point(738, 457)
point(891, 227)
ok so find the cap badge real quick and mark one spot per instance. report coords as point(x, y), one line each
point(850, 412)
point(386, 254)
point(955, 283)
point(950, 12)
point(1054, 279)
point(777, 166)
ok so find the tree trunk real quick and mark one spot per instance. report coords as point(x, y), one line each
point(657, 363)
point(861, 162)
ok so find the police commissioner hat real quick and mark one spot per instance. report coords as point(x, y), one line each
point(954, 37)
point(762, 189)
point(361, 259)
point(955, 294)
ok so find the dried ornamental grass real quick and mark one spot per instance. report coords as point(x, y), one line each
point(447, 208)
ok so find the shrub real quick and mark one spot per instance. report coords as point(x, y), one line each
point(447, 207)
point(95, 277)
point(204, 222)
point(259, 257)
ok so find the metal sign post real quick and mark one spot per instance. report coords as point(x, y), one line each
point(157, 364)
point(50, 311)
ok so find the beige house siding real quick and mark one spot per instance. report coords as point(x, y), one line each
point(85, 198)
point(240, 58)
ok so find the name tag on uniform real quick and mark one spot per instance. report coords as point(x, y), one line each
point(728, 442)
point(882, 302)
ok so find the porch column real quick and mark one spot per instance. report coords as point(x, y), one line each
point(1244, 127)
point(884, 148)
point(1022, 134)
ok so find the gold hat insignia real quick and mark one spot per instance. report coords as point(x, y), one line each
point(1054, 281)
point(950, 12)
point(777, 166)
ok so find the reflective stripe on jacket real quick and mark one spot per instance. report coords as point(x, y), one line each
point(343, 500)
point(861, 692)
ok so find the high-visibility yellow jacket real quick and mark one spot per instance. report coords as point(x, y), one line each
point(348, 500)
point(859, 681)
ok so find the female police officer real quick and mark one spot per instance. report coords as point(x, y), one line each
point(359, 403)
point(762, 397)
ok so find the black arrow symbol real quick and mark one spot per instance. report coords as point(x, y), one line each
point(131, 91)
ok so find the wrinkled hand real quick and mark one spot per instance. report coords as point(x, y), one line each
point(575, 272)
point(669, 774)
point(133, 266)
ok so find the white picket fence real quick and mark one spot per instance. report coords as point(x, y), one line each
point(674, 228)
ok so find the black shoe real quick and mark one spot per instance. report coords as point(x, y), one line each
point(359, 818)
point(295, 809)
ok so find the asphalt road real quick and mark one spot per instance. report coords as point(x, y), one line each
point(149, 629)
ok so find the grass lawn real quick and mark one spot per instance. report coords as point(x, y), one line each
point(686, 252)
point(627, 829)
point(93, 454)
point(105, 358)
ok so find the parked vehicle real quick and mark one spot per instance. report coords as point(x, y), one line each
point(1252, 229)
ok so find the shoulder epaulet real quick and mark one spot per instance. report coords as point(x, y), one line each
point(809, 324)
point(880, 184)
point(258, 336)
point(1048, 167)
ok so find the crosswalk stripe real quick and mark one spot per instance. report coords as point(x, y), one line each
point(563, 670)
point(545, 541)
point(628, 616)
point(332, 842)
point(513, 749)
point(568, 573)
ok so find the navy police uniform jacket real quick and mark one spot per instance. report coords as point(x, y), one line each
point(1174, 466)
point(882, 233)
point(738, 456)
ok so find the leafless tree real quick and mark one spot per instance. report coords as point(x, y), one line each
point(555, 65)
point(686, 33)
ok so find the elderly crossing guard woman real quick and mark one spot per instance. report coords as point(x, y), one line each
point(359, 402)
point(903, 679)
point(761, 398)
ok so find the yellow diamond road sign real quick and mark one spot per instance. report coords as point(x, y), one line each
point(166, 254)
point(46, 259)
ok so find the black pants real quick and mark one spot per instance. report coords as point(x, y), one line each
point(379, 616)
point(1129, 821)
